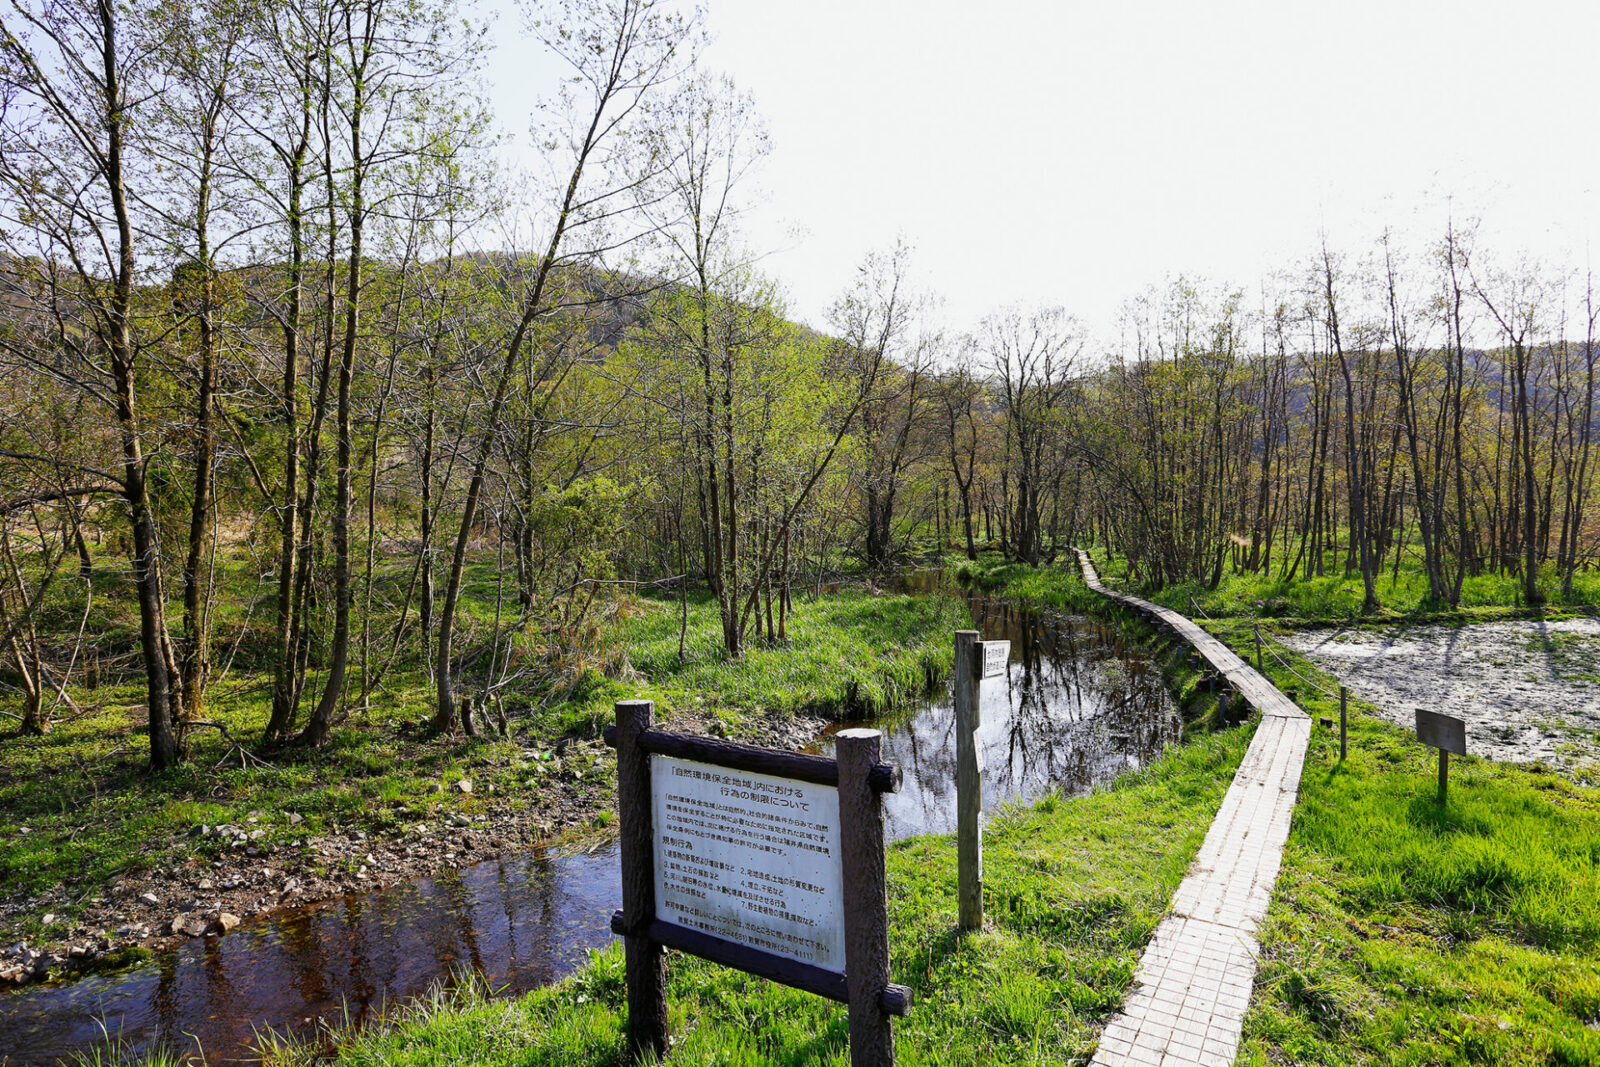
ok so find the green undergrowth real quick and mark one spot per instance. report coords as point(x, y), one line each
point(1058, 586)
point(78, 809)
point(1074, 889)
point(1407, 932)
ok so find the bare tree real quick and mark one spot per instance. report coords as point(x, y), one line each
point(620, 52)
point(1034, 354)
point(65, 73)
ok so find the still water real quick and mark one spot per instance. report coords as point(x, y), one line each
point(1079, 705)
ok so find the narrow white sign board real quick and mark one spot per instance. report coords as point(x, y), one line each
point(750, 858)
point(995, 656)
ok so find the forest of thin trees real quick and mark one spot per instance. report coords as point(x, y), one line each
point(294, 381)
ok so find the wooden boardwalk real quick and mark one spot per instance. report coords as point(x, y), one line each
point(1193, 984)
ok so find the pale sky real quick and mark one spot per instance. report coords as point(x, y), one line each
point(1075, 153)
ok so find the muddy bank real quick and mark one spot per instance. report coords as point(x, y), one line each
point(1528, 690)
point(236, 871)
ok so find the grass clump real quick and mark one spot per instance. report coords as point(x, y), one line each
point(850, 654)
point(1075, 888)
point(1058, 586)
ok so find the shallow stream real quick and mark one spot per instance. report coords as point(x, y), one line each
point(1079, 705)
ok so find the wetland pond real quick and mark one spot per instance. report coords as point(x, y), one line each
point(1080, 703)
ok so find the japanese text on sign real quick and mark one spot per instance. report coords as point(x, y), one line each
point(749, 858)
point(995, 654)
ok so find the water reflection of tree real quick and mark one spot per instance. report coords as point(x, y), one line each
point(1081, 703)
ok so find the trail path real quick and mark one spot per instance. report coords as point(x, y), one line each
point(1193, 983)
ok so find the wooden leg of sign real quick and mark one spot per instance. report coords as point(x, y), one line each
point(1258, 651)
point(969, 785)
point(866, 904)
point(644, 959)
point(1444, 774)
point(1344, 723)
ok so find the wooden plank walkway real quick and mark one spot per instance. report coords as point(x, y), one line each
point(1193, 984)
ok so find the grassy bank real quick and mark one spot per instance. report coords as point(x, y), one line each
point(78, 810)
point(1074, 888)
point(1058, 587)
point(1405, 932)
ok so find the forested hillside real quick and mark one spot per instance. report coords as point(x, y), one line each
point(296, 385)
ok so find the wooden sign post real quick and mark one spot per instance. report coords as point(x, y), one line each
point(1344, 723)
point(1446, 734)
point(969, 783)
point(975, 661)
point(768, 861)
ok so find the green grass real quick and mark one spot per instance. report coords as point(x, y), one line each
point(1402, 932)
point(850, 654)
point(1060, 587)
point(1337, 596)
point(1406, 933)
point(1074, 889)
point(93, 813)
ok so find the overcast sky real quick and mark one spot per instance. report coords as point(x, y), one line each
point(1075, 153)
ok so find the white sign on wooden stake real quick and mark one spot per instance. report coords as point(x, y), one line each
point(750, 858)
point(995, 656)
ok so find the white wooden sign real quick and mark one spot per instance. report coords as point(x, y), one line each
point(995, 656)
point(750, 858)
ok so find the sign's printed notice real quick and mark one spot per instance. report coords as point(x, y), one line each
point(749, 858)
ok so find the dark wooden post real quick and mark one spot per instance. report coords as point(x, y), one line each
point(645, 961)
point(1258, 650)
point(1344, 723)
point(866, 907)
point(1444, 774)
point(969, 785)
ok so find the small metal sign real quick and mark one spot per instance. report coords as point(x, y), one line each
point(1445, 734)
point(1442, 732)
point(994, 654)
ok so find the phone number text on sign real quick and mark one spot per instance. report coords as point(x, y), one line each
point(749, 858)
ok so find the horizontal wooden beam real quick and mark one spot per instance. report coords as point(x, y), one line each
point(894, 1000)
point(819, 770)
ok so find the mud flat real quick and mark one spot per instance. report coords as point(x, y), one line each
point(1529, 691)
